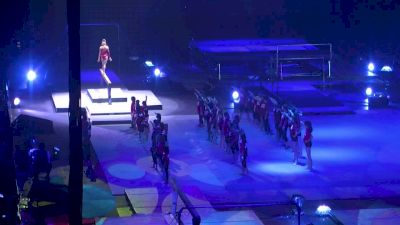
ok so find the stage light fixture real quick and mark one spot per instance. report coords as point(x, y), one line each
point(371, 67)
point(235, 95)
point(17, 101)
point(149, 63)
point(31, 75)
point(368, 91)
point(323, 210)
point(55, 154)
point(157, 72)
point(386, 69)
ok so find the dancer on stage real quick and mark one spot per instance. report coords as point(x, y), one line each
point(104, 54)
point(104, 57)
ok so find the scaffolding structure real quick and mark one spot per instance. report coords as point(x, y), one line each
point(304, 52)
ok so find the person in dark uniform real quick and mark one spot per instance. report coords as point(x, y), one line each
point(243, 152)
point(157, 130)
point(234, 136)
point(226, 130)
point(165, 160)
point(133, 112)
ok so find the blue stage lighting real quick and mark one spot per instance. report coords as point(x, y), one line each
point(323, 210)
point(368, 91)
point(386, 69)
point(371, 67)
point(149, 63)
point(157, 72)
point(31, 75)
point(235, 95)
point(17, 101)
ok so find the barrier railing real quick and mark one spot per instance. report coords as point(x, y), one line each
point(325, 57)
point(299, 211)
point(252, 205)
point(196, 219)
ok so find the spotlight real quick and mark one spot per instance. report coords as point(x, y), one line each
point(235, 95)
point(17, 101)
point(149, 63)
point(323, 210)
point(371, 67)
point(157, 72)
point(31, 75)
point(386, 69)
point(368, 91)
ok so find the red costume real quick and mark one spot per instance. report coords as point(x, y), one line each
point(200, 108)
point(308, 138)
point(226, 127)
point(104, 53)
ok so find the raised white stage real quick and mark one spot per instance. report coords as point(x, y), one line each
point(101, 95)
point(96, 102)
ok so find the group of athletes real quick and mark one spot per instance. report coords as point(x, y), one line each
point(258, 108)
point(159, 137)
point(223, 129)
point(287, 122)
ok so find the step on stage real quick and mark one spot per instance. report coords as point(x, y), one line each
point(96, 102)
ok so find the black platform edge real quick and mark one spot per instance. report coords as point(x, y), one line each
point(111, 122)
point(348, 112)
point(104, 100)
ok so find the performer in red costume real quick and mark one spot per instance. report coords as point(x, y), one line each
point(104, 54)
point(104, 57)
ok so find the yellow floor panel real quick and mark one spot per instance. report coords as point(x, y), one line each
point(124, 211)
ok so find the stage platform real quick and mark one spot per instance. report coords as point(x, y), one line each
point(101, 95)
point(101, 112)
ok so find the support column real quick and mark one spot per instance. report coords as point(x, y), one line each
point(75, 186)
point(13, 17)
point(8, 187)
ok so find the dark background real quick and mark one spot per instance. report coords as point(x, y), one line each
point(161, 30)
